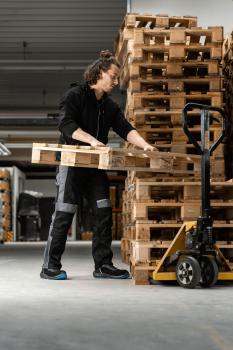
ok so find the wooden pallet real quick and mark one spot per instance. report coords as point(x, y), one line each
point(228, 49)
point(174, 135)
point(147, 230)
point(162, 53)
point(171, 203)
point(5, 223)
point(187, 69)
point(4, 174)
point(174, 212)
point(148, 72)
point(175, 100)
point(180, 35)
point(109, 158)
point(160, 118)
point(165, 211)
point(151, 188)
point(132, 21)
point(137, 20)
point(5, 197)
point(4, 185)
point(187, 85)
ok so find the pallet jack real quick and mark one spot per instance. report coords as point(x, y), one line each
point(193, 257)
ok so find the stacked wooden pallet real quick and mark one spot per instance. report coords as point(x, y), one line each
point(228, 83)
point(134, 20)
point(155, 210)
point(165, 66)
point(5, 204)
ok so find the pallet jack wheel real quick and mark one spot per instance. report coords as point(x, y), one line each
point(209, 271)
point(188, 272)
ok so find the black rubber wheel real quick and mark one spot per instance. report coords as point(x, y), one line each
point(188, 272)
point(209, 271)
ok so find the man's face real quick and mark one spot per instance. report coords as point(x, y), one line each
point(109, 79)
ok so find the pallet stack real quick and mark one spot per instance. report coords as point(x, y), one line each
point(228, 84)
point(166, 63)
point(5, 205)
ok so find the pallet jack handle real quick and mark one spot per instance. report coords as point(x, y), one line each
point(205, 109)
point(203, 148)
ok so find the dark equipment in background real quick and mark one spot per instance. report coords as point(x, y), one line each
point(28, 217)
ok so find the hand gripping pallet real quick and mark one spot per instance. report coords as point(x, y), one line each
point(193, 257)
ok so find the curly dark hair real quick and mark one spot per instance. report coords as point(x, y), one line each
point(92, 73)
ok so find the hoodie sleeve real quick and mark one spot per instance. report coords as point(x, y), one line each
point(121, 125)
point(69, 113)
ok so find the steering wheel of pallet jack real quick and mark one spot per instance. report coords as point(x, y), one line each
point(188, 272)
point(209, 271)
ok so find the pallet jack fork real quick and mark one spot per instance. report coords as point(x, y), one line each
point(193, 258)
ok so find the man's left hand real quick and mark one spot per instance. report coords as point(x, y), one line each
point(150, 148)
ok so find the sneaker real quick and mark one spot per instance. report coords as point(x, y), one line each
point(110, 271)
point(50, 274)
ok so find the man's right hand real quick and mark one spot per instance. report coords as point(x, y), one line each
point(96, 143)
point(83, 136)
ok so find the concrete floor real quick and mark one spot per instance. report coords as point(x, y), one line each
point(83, 313)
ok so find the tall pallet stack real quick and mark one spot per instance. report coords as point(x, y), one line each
point(228, 84)
point(5, 205)
point(166, 63)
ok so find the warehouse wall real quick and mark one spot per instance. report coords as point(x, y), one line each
point(209, 12)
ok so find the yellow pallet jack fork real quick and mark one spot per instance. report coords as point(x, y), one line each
point(193, 258)
point(165, 273)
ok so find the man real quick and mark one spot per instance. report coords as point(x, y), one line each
point(87, 115)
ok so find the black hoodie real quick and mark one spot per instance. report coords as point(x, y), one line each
point(80, 109)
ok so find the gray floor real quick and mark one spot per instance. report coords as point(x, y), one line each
point(88, 314)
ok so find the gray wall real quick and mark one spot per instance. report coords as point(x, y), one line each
point(209, 12)
point(47, 187)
